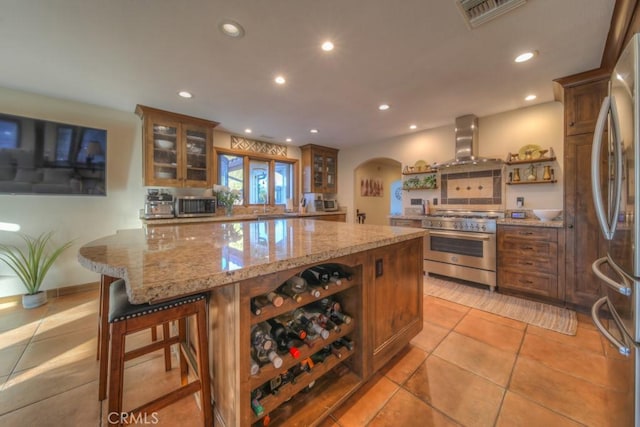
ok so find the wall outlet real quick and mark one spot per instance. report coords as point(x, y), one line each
point(519, 202)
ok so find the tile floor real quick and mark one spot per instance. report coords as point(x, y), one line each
point(466, 367)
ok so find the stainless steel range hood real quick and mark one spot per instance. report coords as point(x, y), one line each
point(467, 144)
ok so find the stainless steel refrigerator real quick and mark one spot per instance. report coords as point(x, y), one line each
point(614, 174)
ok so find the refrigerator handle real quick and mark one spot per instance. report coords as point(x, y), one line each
point(621, 346)
point(595, 169)
point(618, 154)
point(624, 290)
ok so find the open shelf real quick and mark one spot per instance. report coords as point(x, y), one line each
point(427, 172)
point(526, 162)
point(532, 182)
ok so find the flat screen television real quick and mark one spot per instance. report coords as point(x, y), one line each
point(45, 157)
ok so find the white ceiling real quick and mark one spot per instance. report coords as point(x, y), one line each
point(417, 55)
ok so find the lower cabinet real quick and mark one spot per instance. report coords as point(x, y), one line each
point(353, 324)
point(528, 261)
point(330, 217)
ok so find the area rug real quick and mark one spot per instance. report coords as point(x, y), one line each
point(535, 313)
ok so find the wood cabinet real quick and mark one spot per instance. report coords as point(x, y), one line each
point(405, 222)
point(528, 260)
point(395, 301)
point(342, 217)
point(581, 106)
point(384, 299)
point(176, 149)
point(584, 242)
point(319, 169)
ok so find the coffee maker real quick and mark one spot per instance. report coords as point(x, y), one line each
point(158, 204)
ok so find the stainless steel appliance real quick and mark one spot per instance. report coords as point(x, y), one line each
point(330, 205)
point(158, 204)
point(462, 245)
point(614, 173)
point(191, 206)
point(316, 205)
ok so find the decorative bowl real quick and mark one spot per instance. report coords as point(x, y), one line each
point(546, 214)
point(164, 144)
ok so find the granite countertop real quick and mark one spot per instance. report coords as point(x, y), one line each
point(531, 222)
point(235, 217)
point(165, 262)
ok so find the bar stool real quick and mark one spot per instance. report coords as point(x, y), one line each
point(126, 318)
point(103, 336)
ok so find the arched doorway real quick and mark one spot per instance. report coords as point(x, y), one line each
point(373, 181)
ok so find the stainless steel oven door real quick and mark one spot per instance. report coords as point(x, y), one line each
point(468, 249)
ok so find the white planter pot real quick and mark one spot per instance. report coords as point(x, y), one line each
point(34, 300)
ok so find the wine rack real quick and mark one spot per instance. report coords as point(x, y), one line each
point(346, 294)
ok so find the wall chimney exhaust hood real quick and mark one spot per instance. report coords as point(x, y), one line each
point(467, 144)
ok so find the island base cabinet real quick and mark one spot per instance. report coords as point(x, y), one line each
point(307, 398)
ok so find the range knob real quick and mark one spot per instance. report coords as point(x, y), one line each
point(483, 228)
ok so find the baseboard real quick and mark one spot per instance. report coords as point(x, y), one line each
point(57, 292)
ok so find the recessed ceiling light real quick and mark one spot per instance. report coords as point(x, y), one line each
point(412, 127)
point(288, 139)
point(280, 80)
point(530, 97)
point(523, 57)
point(314, 130)
point(231, 28)
point(383, 107)
point(185, 94)
point(247, 130)
point(327, 46)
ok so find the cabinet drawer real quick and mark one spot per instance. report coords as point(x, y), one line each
point(529, 233)
point(544, 264)
point(528, 249)
point(537, 284)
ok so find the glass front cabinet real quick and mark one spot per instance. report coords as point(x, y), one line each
point(177, 149)
point(319, 169)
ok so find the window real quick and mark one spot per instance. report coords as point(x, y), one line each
point(265, 180)
point(9, 133)
point(63, 143)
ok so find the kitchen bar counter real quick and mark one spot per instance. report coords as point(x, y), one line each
point(165, 262)
point(239, 217)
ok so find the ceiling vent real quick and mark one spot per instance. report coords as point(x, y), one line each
point(477, 12)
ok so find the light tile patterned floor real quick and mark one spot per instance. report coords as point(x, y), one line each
point(466, 367)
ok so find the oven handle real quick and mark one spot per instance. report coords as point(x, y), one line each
point(621, 346)
point(468, 236)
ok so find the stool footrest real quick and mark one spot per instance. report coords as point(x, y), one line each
point(168, 399)
point(158, 345)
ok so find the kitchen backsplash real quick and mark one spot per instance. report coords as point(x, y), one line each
point(465, 188)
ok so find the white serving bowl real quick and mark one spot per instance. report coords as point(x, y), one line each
point(546, 214)
point(164, 144)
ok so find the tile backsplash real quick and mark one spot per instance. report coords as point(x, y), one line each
point(482, 187)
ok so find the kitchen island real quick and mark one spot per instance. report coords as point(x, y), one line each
point(236, 262)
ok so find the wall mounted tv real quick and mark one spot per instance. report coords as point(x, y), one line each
point(44, 157)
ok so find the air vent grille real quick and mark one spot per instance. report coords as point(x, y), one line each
point(477, 12)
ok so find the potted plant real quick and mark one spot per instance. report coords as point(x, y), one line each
point(31, 265)
point(226, 197)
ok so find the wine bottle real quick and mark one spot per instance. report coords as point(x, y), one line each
point(315, 327)
point(275, 299)
point(338, 271)
point(344, 342)
point(260, 339)
point(326, 275)
point(314, 279)
point(293, 288)
point(255, 367)
point(281, 336)
point(256, 306)
point(256, 406)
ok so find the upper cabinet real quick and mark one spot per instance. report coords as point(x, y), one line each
point(319, 169)
point(581, 107)
point(176, 149)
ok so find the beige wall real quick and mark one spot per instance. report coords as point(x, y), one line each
point(499, 134)
point(376, 208)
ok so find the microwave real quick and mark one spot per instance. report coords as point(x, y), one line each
point(191, 206)
point(330, 205)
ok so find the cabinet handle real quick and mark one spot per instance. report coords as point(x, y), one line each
point(526, 263)
point(526, 233)
point(570, 226)
point(527, 248)
point(526, 282)
point(571, 124)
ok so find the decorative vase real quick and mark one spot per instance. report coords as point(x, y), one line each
point(228, 210)
point(516, 175)
point(547, 173)
point(34, 300)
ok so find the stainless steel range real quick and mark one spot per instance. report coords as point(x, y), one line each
point(462, 245)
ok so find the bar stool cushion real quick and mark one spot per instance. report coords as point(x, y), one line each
point(121, 309)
